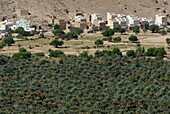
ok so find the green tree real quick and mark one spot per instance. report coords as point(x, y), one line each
point(160, 52)
point(78, 31)
point(2, 44)
point(108, 32)
point(117, 51)
point(56, 43)
point(42, 35)
point(22, 50)
point(131, 53)
point(56, 53)
point(154, 28)
point(56, 26)
point(71, 35)
point(119, 29)
point(140, 51)
point(117, 39)
point(8, 41)
point(136, 29)
point(98, 42)
point(133, 38)
point(22, 32)
point(59, 33)
point(168, 41)
point(162, 32)
point(22, 55)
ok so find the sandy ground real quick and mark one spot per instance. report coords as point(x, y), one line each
point(76, 46)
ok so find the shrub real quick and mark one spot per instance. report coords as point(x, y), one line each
point(40, 54)
point(56, 26)
point(56, 53)
point(133, 38)
point(117, 39)
point(136, 29)
point(131, 53)
point(2, 44)
point(22, 55)
point(117, 51)
point(168, 41)
point(109, 39)
point(140, 51)
point(160, 52)
point(154, 28)
point(8, 41)
point(56, 43)
point(78, 31)
point(22, 50)
point(59, 33)
point(71, 35)
point(108, 32)
point(99, 42)
point(42, 35)
point(162, 32)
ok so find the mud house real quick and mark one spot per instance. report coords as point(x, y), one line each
point(21, 12)
point(62, 24)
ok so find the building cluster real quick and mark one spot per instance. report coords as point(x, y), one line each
point(88, 22)
point(95, 21)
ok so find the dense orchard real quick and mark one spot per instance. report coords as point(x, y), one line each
point(106, 85)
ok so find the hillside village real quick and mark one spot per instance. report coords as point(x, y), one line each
point(89, 23)
point(83, 32)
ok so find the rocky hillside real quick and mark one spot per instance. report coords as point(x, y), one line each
point(42, 8)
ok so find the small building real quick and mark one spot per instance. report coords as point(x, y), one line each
point(96, 16)
point(80, 18)
point(144, 23)
point(62, 24)
point(88, 18)
point(161, 20)
point(24, 24)
point(21, 12)
point(82, 25)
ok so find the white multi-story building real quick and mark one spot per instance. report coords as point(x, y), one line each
point(132, 21)
point(161, 20)
point(24, 24)
point(111, 16)
point(96, 16)
point(121, 19)
point(113, 23)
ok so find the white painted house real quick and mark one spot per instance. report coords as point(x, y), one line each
point(111, 16)
point(96, 16)
point(121, 19)
point(80, 18)
point(132, 21)
point(24, 24)
point(161, 20)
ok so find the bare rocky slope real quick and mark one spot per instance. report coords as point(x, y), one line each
point(42, 8)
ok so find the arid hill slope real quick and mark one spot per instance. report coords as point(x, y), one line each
point(41, 8)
